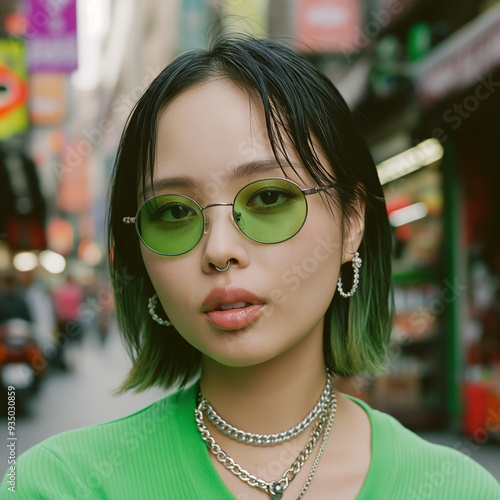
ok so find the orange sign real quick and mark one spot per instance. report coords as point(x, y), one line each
point(48, 98)
point(74, 192)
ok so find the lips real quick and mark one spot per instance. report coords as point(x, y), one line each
point(232, 308)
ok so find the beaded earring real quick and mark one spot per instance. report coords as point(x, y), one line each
point(151, 308)
point(356, 264)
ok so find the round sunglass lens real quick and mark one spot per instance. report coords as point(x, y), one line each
point(170, 224)
point(270, 210)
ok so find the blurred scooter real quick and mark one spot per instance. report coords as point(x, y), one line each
point(22, 363)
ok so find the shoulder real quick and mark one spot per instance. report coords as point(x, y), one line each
point(407, 463)
point(82, 460)
point(124, 431)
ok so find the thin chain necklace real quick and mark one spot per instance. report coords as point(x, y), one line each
point(267, 439)
point(320, 453)
point(275, 488)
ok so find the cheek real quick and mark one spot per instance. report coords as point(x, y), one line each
point(320, 245)
point(307, 279)
point(167, 278)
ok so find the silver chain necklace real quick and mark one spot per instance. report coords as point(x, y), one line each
point(275, 488)
point(267, 439)
point(320, 452)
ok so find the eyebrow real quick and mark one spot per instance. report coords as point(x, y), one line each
point(242, 170)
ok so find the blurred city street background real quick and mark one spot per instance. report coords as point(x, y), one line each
point(423, 81)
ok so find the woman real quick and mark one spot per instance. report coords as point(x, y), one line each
point(248, 211)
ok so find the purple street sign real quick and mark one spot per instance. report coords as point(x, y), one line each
point(51, 35)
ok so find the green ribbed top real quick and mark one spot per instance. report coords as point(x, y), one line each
point(157, 453)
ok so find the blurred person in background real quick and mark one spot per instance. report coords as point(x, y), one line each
point(22, 362)
point(41, 307)
point(97, 309)
point(261, 264)
point(68, 298)
point(13, 303)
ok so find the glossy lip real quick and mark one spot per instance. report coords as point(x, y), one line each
point(232, 319)
point(235, 319)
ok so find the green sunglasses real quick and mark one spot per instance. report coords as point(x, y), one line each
point(266, 211)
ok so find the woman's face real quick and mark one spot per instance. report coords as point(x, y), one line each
point(205, 137)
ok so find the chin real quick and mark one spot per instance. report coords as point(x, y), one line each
point(240, 357)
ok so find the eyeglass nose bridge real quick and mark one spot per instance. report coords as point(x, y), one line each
point(207, 219)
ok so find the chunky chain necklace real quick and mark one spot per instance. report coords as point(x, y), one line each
point(276, 488)
point(267, 439)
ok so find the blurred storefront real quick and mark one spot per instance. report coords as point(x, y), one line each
point(428, 105)
point(457, 87)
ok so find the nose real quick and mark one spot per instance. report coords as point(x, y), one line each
point(223, 241)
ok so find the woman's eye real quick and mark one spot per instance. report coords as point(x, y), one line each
point(174, 212)
point(267, 198)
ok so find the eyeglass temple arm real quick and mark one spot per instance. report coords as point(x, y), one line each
point(316, 189)
point(129, 220)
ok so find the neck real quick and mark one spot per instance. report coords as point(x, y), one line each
point(265, 398)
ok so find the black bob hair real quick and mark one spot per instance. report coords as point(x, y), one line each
point(302, 108)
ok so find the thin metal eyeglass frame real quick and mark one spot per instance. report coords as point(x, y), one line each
point(305, 192)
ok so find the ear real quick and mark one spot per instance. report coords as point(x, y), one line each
point(355, 228)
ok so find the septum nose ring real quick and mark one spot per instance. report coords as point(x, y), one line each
point(225, 269)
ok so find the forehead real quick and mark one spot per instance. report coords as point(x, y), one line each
point(210, 126)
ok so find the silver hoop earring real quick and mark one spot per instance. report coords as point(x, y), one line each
point(151, 308)
point(356, 264)
point(225, 269)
